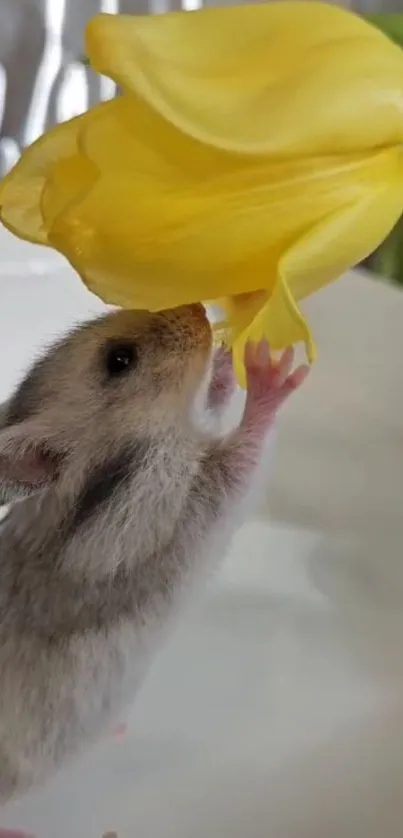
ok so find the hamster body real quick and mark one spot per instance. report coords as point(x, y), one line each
point(121, 502)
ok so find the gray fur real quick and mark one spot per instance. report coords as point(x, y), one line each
point(107, 482)
point(27, 401)
point(133, 504)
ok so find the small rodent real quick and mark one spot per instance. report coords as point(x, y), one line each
point(123, 499)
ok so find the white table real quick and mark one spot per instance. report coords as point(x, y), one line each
point(275, 711)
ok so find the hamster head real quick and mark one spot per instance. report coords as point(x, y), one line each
point(126, 375)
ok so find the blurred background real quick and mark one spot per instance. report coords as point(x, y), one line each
point(44, 78)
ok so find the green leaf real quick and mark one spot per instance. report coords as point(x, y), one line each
point(388, 259)
point(391, 24)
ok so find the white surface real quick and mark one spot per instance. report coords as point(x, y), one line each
point(276, 709)
point(341, 438)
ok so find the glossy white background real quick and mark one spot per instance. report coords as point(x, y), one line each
point(276, 708)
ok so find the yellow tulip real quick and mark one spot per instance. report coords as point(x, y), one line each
point(255, 154)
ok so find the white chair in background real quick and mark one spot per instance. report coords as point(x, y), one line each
point(76, 15)
point(22, 47)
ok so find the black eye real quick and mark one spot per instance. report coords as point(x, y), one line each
point(120, 358)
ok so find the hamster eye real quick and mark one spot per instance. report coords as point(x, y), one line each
point(120, 358)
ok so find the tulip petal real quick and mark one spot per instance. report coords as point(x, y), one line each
point(226, 171)
point(278, 320)
point(21, 190)
point(349, 234)
point(310, 264)
point(68, 178)
point(280, 78)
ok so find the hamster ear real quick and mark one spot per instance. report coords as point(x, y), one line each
point(28, 463)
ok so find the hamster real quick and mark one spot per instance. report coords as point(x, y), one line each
point(122, 502)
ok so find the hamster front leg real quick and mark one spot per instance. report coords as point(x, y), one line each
point(222, 384)
point(227, 464)
point(230, 462)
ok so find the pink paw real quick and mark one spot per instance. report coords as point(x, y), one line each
point(14, 833)
point(222, 383)
point(269, 383)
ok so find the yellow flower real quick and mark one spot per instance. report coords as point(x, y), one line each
point(255, 154)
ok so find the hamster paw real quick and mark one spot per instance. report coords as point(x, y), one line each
point(269, 383)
